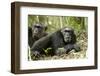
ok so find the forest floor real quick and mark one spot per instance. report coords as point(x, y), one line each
point(82, 41)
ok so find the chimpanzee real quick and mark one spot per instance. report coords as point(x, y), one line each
point(36, 32)
point(64, 38)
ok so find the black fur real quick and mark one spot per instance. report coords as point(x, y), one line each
point(40, 32)
point(56, 41)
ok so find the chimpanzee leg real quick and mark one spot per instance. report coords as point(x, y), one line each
point(69, 47)
point(77, 47)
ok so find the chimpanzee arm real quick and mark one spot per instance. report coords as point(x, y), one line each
point(57, 41)
point(77, 47)
point(41, 44)
point(69, 47)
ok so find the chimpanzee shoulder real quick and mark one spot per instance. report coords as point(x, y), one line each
point(57, 39)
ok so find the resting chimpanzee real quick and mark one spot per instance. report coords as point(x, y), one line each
point(36, 32)
point(62, 39)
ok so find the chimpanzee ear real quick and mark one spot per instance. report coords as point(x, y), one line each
point(45, 28)
point(73, 37)
point(62, 30)
point(29, 31)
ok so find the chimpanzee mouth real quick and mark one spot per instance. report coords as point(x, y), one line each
point(67, 39)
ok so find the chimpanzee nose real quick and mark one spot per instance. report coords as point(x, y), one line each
point(36, 31)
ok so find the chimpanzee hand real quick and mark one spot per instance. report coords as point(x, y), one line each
point(76, 47)
point(35, 54)
point(69, 47)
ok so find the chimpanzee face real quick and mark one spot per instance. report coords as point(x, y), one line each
point(67, 34)
point(38, 28)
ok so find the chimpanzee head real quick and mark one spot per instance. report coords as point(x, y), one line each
point(38, 29)
point(68, 35)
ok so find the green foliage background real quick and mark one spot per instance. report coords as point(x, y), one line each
point(79, 24)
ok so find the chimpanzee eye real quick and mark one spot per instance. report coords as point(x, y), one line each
point(37, 27)
point(66, 31)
